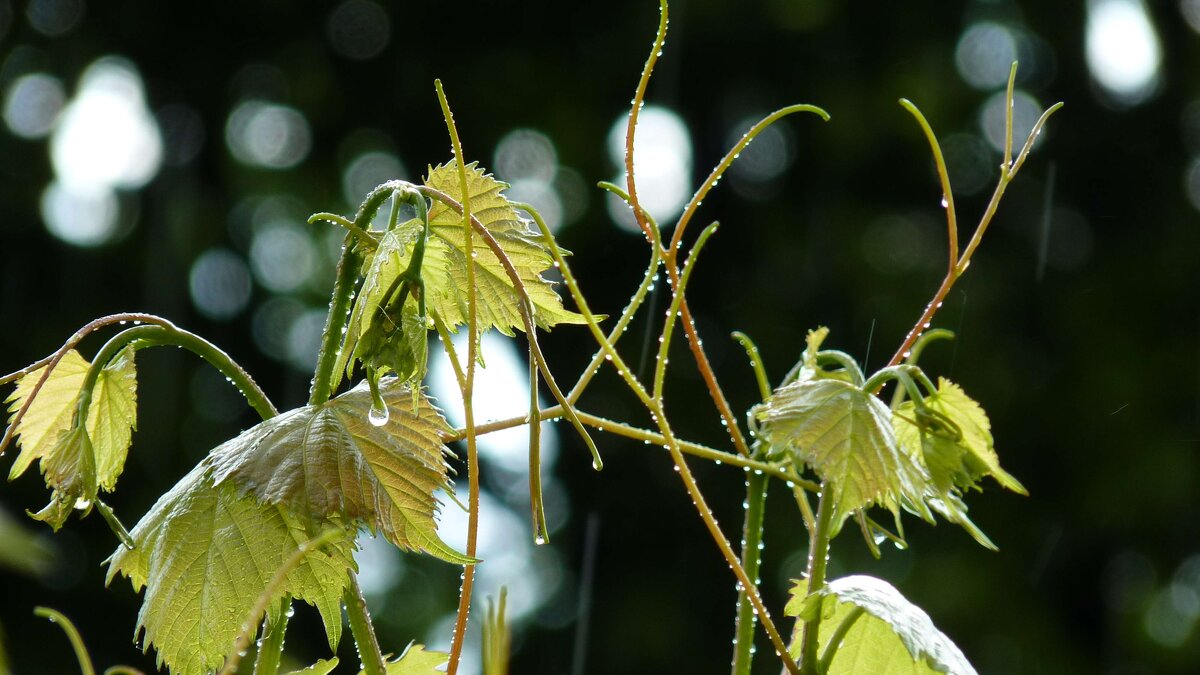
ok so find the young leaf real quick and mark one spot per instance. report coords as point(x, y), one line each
point(50, 413)
point(416, 661)
point(445, 266)
point(331, 462)
point(891, 637)
point(846, 436)
point(112, 417)
point(203, 553)
point(962, 458)
point(375, 337)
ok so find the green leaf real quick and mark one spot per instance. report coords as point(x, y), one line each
point(203, 555)
point(373, 336)
point(951, 435)
point(445, 264)
point(416, 661)
point(51, 411)
point(322, 667)
point(846, 436)
point(331, 461)
point(892, 637)
point(112, 417)
point(43, 432)
point(70, 468)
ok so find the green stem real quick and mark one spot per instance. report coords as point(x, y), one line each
point(818, 558)
point(270, 647)
point(325, 380)
point(158, 335)
point(835, 639)
point(664, 343)
point(752, 536)
point(81, 654)
point(360, 627)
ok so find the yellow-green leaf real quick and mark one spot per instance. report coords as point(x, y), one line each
point(846, 436)
point(321, 667)
point(204, 553)
point(416, 661)
point(112, 417)
point(51, 411)
point(332, 461)
point(445, 265)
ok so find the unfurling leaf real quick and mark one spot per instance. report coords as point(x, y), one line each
point(332, 462)
point(322, 667)
point(957, 455)
point(445, 267)
point(76, 461)
point(203, 554)
point(891, 637)
point(846, 436)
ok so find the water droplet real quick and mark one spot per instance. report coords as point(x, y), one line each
point(378, 416)
point(82, 504)
point(945, 203)
point(540, 540)
point(597, 464)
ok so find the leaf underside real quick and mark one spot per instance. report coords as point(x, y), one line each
point(892, 637)
point(204, 553)
point(846, 436)
point(330, 462)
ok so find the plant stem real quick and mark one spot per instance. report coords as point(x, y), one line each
point(270, 647)
point(836, 638)
point(752, 533)
point(818, 558)
point(324, 378)
point(360, 627)
point(81, 653)
point(159, 335)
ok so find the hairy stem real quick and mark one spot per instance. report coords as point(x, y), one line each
point(361, 628)
point(325, 380)
point(270, 647)
point(818, 558)
point(81, 653)
point(835, 639)
point(752, 538)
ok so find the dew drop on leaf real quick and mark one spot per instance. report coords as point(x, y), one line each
point(378, 416)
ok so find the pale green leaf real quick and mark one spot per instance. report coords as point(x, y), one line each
point(846, 436)
point(112, 416)
point(70, 469)
point(978, 456)
point(203, 555)
point(322, 667)
point(891, 637)
point(51, 411)
point(445, 265)
point(416, 661)
point(331, 461)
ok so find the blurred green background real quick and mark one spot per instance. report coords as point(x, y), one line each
point(163, 157)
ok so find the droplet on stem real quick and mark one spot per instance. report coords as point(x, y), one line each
point(377, 416)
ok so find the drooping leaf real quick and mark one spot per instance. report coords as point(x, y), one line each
point(445, 266)
point(21, 550)
point(395, 339)
point(951, 435)
point(112, 417)
point(891, 637)
point(332, 461)
point(70, 469)
point(51, 411)
point(416, 661)
point(203, 555)
point(961, 458)
point(846, 436)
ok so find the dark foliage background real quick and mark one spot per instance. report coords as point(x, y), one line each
point(1077, 324)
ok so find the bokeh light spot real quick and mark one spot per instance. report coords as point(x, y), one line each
point(267, 135)
point(358, 29)
point(32, 105)
point(81, 217)
point(282, 256)
point(219, 284)
point(54, 18)
point(525, 154)
point(1123, 51)
point(984, 55)
point(1191, 183)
